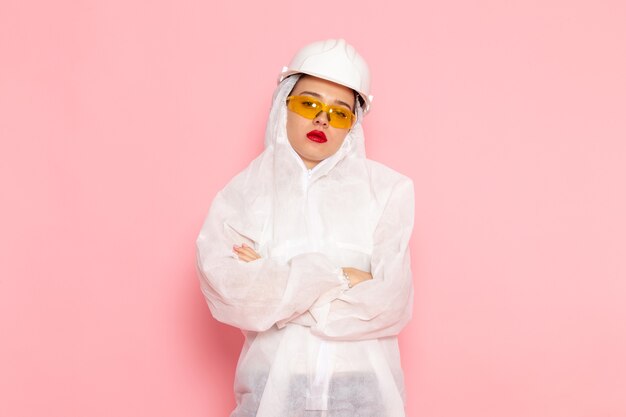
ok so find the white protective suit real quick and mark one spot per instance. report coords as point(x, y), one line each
point(313, 347)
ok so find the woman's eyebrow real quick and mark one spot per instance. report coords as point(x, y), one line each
point(311, 93)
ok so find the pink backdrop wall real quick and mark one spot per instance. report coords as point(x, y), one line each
point(119, 121)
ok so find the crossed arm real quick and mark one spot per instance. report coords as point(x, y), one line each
point(247, 254)
point(254, 293)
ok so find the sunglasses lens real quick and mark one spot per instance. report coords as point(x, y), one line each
point(305, 106)
point(340, 118)
point(310, 107)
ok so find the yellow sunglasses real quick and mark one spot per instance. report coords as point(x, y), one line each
point(306, 106)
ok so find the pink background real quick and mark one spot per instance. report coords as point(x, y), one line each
point(120, 120)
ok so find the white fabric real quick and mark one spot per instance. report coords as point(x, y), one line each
point(313, 347)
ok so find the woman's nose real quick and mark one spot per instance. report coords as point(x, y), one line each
point(321, 119)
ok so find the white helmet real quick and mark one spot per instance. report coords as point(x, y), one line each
point(333, 60)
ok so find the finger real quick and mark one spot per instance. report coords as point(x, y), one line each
point(243, 247)
point(236, 249)
point(246, 259)
point(245, 254)
point(252, 253)
point(249, 251)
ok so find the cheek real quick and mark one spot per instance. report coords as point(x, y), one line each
point(293, 124)
point(339, 136)
point(291, 128)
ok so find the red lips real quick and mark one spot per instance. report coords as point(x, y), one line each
point(317, 136)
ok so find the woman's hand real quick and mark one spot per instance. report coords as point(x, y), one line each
point(356, 276)
point(246, 253)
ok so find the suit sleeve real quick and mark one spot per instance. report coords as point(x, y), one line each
point(256, 295)
point(382, 306)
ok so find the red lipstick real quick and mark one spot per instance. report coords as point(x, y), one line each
point(317, 136)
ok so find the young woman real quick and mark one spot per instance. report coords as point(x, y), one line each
point(306, 250)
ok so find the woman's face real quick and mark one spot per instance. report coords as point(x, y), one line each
point(306, 136)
